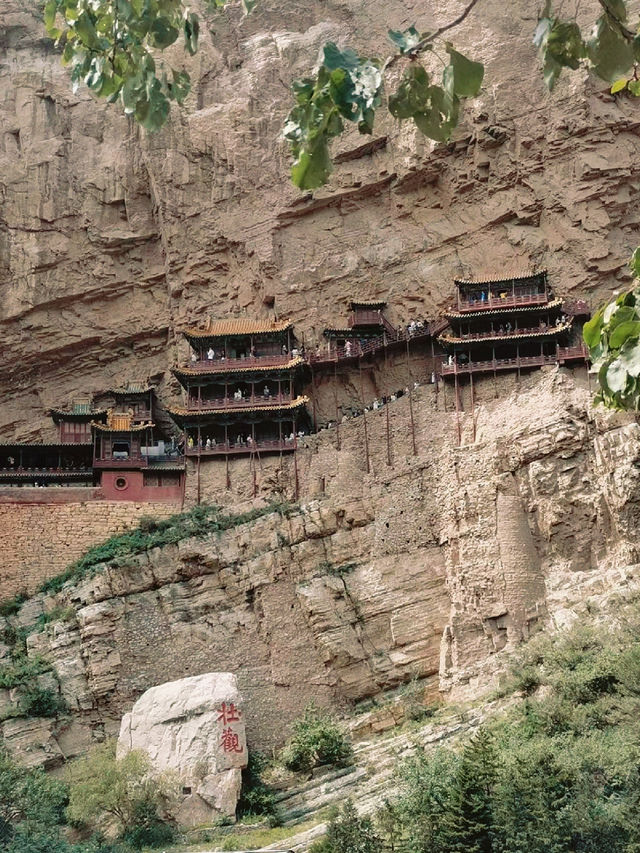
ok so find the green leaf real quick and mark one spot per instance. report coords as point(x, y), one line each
point(625, 331)
point(248, 6)
point(618, 86)
point(634, 263)
point(610, 53)
point(616, 376)
point(634, 87)
point(591, 330)
point(191, 29)
point(163, 33)
point(542, 32)
point(313, 167)
point(565, 44)
point(181, 85)
point(405, 40)
point(335, 58)
point(467, 75)
point(412, 94)
point(551, 70)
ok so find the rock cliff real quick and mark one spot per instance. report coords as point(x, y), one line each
point(111, 240)
point(427, 568)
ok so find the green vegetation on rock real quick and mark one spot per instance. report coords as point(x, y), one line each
point(317, 739)
point(199, 522)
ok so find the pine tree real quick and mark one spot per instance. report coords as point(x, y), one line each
point(468, 819)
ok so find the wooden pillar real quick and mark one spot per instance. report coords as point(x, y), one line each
point(473, 410)
point(198, 480)
point(455, 379)
point(313, 399)
point(410, 386)
point(335, 397)
point(364, 417)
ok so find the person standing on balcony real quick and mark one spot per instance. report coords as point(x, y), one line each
point(211, 354)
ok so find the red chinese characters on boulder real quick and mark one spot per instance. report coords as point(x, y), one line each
point(229, 739)
point(228, 713)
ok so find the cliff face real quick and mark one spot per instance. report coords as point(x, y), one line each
point(426, 568)
point(110, 240)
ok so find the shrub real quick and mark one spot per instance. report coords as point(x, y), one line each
point(348, 832)
point(317, 739)
point(103, 788)
point(148, 830)
point(12, 605)
point(257, 798)
point(40, 702)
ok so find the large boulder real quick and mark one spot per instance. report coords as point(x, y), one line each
point(193, 727)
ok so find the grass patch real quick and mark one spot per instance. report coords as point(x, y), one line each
point(12, 605)
point(199, 522)
point(237, 838)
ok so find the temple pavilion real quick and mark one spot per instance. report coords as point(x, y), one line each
point(366, 324)
point(508, 324)
point(241, 388)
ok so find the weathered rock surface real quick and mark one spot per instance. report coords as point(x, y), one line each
point(428, 567)
point(111, 239)
point(195, 728)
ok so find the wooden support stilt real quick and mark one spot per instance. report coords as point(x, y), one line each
point(313, 400)
point(198, 480)
point(455, 377)
point(295, 468)
point(335, 397)
point(389, 460)
point(364, 416)
point(410, 387)
point(473, 408)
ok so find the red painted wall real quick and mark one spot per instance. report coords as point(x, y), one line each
point(124, 485)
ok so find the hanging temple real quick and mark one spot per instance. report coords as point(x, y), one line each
point(244, 383)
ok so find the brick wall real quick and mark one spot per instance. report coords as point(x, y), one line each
point(40, 535)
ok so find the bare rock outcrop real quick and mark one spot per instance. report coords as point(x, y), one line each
point(194, 728)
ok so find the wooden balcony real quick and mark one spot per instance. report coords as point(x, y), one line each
point(226, 365)
point(133, 461)
point(226, 403)
point(231, 448)
point(563, 355)
point(517, 300)
point(45, 473)
point(371, 345)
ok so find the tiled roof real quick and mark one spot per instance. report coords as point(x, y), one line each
point(238, 326)
point(367, 303)
point(279, 407)
point(516, 336)
point(130, 388)
point(230, 367)
point(516, 276)
point(61, 444)
point(66, 413)
point(121, 426)
point(487, 312)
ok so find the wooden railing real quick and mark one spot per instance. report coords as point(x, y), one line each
point(231, 403)
point(226, 448)
point(508, 301)
point(575, 353)
point(45, 472)
point(209, 365)
point(496, 333)
point(135, 460)
point(355, 349)
point(365, 317)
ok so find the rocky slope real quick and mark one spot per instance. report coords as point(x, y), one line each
point(111, 240)
point(425, 569)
